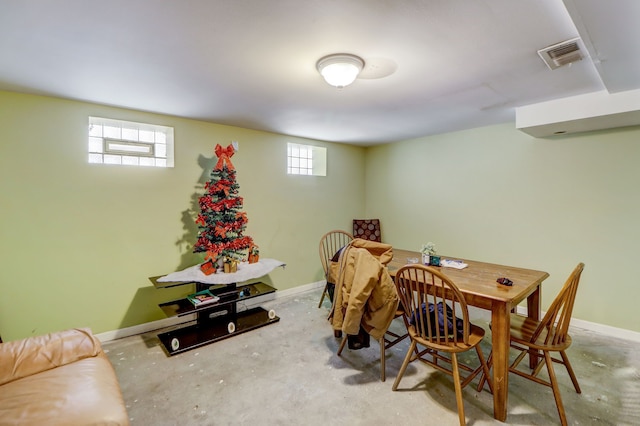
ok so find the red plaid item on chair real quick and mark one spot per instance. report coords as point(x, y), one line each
point(367, 229)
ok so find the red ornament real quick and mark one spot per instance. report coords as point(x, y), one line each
point(208, 267)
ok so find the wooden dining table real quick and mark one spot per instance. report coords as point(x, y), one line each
point(478, 284)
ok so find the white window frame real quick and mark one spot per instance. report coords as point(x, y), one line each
point(306, 160)
point(129, 143)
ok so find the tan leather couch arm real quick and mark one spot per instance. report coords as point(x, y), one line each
point(22, 358)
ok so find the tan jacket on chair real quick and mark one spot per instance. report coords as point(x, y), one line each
point(365, 293)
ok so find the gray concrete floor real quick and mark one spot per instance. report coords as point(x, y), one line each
point(288, 373)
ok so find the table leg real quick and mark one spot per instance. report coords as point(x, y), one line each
point(533, 312)
point(500, 324)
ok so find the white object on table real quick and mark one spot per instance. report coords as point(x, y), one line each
point(451, 263)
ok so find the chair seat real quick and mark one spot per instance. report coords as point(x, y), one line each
point(476, 334)
point(523, 329)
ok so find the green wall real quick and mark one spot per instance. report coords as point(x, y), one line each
point(498, 195)
point(79, 240)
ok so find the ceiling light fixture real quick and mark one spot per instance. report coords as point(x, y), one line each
point(340, 69)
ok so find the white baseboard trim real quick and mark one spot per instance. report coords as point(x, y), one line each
point(120, 333)
point(108, 336)
point(607, 330)
point(619, 333)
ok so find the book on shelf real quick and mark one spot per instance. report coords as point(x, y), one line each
point(202, 298)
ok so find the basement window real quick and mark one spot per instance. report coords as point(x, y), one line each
point(129, 143)
point(306, 160)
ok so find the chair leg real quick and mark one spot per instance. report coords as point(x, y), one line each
point(458, 387)
point(324, 292)
point(556, 390)
point(486, 375)
point(344, 342)
point(383, 371)
point(567, 364)
point(383, 375)
point(405, 363)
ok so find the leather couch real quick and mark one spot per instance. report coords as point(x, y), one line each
point(62, 378)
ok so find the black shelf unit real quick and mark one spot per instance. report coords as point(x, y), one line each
point(215, 321)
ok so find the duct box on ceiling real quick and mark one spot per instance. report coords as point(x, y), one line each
point(577, 114)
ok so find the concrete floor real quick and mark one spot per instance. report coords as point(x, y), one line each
point(288, 373)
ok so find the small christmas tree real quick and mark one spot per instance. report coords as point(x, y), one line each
point(221, 221)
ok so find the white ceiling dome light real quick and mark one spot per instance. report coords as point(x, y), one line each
point(340, 69)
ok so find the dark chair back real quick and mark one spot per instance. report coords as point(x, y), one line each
point(367, 229)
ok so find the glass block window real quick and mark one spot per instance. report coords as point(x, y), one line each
point(129, 143)
point(306, 160)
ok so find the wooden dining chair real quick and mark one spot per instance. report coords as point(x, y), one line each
point(330, 243)
point(551, 334)
point(442, 335)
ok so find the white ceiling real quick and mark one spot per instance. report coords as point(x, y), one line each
point(432, 66)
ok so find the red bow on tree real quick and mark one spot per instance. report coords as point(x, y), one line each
point(224, 157)
point(221, 231)
point(212, 254)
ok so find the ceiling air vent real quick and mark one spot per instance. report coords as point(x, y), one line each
point(562, 53)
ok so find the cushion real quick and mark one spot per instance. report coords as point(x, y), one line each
point(85, 392)
point(22, 358)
